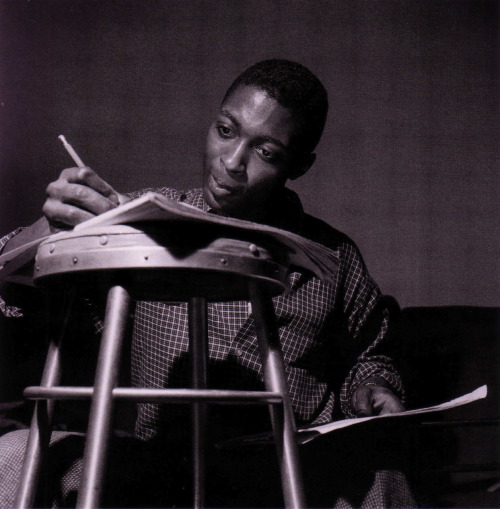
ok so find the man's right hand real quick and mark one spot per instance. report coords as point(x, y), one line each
point(77, 195)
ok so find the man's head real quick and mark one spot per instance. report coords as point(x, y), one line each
point(296, 88)
point(269, 123)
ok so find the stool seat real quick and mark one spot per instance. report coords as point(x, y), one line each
point(162, 263)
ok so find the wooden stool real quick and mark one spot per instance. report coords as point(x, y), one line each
point(170, 262)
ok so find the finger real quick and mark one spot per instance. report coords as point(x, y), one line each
point(386, 402)
point(87, 198)
point(123, 198)
point(88, 177)
point(80, 196)
point(362, 402)
point(60, 214)
point(391, 406)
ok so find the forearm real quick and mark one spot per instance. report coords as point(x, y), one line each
point(370, 321)
point(37, 230)
point(378, 370)
point(376, 361)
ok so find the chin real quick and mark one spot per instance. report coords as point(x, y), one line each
point(210, 198)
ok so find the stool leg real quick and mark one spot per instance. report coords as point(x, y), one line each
point(275, 379)
point(96, 446)
point(198, 351)
point(41, 423)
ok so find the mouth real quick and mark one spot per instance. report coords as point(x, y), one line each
point(222, 188)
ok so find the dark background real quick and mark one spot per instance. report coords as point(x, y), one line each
point(408, 162)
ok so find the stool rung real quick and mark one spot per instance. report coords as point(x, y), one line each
point(150, 395)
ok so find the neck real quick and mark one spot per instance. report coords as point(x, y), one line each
point(283, 210)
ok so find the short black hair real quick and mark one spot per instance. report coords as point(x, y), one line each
point(294, 87)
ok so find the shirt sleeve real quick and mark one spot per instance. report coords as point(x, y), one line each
point(7, 237)
point(169, 192)
point(16, 312)
point(369, 320)
point(5, 309)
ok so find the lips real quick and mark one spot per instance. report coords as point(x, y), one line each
point(222, 188)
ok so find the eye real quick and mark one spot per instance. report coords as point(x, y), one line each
point(224, 131)
point(266, 154)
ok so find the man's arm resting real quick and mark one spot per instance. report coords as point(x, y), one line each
point(375, 396)
point(10, 242)
point(37, 230)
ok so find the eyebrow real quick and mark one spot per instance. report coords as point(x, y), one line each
point(264, 138)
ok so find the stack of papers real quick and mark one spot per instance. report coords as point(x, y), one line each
point(304, 253)
point(308, 434)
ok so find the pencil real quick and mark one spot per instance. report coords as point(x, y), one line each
point(71, 152)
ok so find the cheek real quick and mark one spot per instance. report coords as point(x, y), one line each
point(263, 179)
point(213, 145)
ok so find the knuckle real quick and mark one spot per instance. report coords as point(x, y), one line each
point(79, 194)
point(47, 208)
point(50, 189)
point(51, 212)
point(70, 216)
point(67, 173)
point(84, 173)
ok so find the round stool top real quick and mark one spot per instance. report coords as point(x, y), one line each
point(170, 262)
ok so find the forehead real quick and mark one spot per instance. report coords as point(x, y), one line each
point(259, 113)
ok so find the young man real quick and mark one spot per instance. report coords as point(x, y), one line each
point(335, 337)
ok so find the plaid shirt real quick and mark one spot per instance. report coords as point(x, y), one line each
point(333, 336)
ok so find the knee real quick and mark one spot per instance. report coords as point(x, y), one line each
point(12, 446)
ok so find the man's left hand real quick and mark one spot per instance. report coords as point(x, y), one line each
point(375, 398)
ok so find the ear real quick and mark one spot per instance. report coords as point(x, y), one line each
point(303, 166)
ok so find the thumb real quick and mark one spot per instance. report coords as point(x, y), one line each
point(361, 402)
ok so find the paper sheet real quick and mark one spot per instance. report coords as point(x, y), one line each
point(15, 259)
point(155, 207)
point(308, 434)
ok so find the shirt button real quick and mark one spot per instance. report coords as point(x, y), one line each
point(239, 352)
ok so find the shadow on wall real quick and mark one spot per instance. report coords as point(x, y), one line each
point(447, 352)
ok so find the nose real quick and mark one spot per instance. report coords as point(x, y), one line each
point(233, 159)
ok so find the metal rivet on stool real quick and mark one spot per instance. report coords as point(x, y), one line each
point(254, 249)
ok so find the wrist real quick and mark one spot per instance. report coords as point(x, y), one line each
point(37, 230)
point(375, 380)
